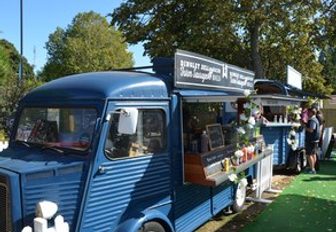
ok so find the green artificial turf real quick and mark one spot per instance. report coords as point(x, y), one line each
point(307, 205)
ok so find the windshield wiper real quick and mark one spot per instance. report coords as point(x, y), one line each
point(53, 148)
point(23, 142)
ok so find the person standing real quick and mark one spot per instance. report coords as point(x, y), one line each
point(320, 118)
point(312, 139)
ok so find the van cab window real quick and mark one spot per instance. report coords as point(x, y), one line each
point(149, 138)
point(70, 128)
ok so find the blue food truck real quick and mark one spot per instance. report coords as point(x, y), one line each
point(128, 150)
point(275, 98)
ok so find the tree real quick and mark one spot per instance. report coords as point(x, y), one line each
point(328, 41)
point(13, 60)
point(206, 27)
point(4, 65)
point(261, 35)
point(11, 88)
point(87, 44)
point(328, 59)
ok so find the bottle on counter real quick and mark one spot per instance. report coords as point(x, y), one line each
point(204, 142)
point(275, 118)
point(280, 119)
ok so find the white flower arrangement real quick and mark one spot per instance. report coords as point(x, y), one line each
point(251, 121)
point(247, 92)
point(248, 119)
point(292, 133)
point(238, 178)
point(295, 113)
point(238, 154)
point(296, 124)
point(241, 130)
point(3, 145)
point(291, 140)
point(244, 182)
point(233, 177)
point(242, 117)
point(250, 148)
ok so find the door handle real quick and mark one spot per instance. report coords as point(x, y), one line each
point(101, 170)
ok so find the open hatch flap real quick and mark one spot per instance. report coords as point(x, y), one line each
point(277, 100)
point(209, 96)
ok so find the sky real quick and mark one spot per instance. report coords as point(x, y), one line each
point(40, 19)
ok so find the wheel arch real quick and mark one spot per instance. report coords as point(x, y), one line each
point(133, 225)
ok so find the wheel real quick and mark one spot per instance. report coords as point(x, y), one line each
point(240, 197)
point(298, 164)
point(298, 167)
point(152, 227)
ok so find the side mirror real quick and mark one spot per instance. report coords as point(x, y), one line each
point(128, 120)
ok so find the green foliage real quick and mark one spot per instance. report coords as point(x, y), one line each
point(11, 89)
point(13, 59)
point(3, 135)
point(10, 94)
point(261, 35)
point(206, 27)
point(4, 65)
point(87, 44)
point(328, 59)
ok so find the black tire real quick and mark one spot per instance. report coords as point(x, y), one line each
point(239, 198)
point(152, 227)
point(298, 167)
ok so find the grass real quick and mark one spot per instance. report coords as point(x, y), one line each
point(307, 205)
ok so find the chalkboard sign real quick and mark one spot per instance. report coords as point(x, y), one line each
point(216, 138)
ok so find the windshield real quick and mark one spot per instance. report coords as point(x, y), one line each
point(70, 128)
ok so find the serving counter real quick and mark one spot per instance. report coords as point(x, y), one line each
point(207, 168)
point(276, 134)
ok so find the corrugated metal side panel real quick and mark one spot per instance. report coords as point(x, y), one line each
point(273, 136)
point(124, 186)
point(193, 207)
point(302, 138)
point(65, 190)
point(222, 196)
point(286, 148)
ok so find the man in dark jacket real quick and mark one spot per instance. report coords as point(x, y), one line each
point(312, 139)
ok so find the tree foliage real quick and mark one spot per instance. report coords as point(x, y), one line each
point(87, 44)
point(4, 65)
point(12, 57)
point(328, 40)
point(261, 35)
point(11, 88)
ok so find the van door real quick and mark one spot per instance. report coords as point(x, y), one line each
point(132, 173)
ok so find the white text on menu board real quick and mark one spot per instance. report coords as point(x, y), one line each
point(240, 79)
point(194, 70)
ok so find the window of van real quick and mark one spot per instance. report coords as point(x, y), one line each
point(150, 136)
point(70, 128)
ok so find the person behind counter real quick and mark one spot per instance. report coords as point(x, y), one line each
point(312, 138)
point(260, 118)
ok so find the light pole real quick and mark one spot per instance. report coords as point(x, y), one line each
point(21, 40)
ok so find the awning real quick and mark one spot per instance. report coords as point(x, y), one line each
point(278, 100)
point(265, 86)
point(209, 96)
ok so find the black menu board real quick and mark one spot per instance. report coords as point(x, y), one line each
point(216, 138)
